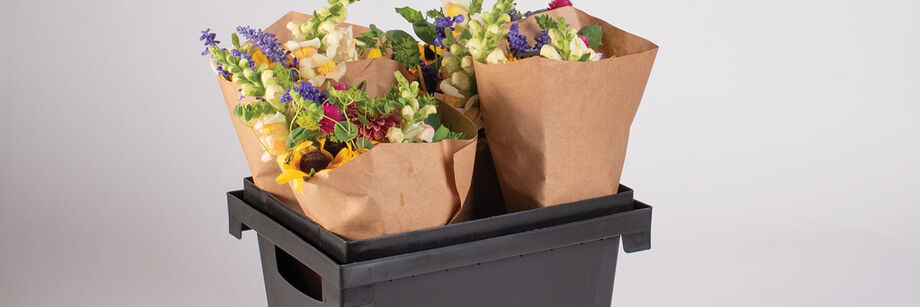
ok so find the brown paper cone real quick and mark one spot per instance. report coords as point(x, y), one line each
point(395, 188)
point(263, 174)
point(558, 130)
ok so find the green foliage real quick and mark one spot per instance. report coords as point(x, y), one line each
point(375, 38)
point(411, 15)
point(249, 111)
point(283, 75)
point(236, 40)
point(344, 131)
point(405, 51)
point(422, 27)
point(363, 143)
point(299, 135)
point(547, 23)
point(593, 33)
point(475, 7)
point(433, 14)
point(309, 115)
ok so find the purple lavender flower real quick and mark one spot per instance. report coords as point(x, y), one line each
point(306, 91)
point(541, 39)
point(518, 45)
point(441, 24)
point(515, 15)
point(209, 40)
point(517, 42)
point(267, 43)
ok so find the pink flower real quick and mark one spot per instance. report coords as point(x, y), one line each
point(332, 115)
point(559, 3)
point(340, 87)
point(585, 39)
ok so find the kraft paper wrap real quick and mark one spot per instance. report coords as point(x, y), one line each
point(558, 130)
point(391, 189)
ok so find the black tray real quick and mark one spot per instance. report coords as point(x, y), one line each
point(344, 251)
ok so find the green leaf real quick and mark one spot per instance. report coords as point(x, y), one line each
point(399, 35)
point(363, 119)
point(363, 143)
point(411, 15)
point(593, 33)
point(466, 35)
point(299, 135)
point(440, 134)
point(434, 14)
point(475, 7)
point(585, 57)
point(238, 110)
point(425, 32)
point(236, 41)
point(433, 120)
point(344, 131)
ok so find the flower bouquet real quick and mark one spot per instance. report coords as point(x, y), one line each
point(337, 132)
point(558, 90)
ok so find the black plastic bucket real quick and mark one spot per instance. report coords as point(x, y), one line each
point(557, 256)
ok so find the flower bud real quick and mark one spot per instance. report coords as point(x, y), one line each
point(326, 27)
point(461, 81)
point(407, 112)
point(427, 111)
point(322, 12)
point(493, 29)
point(395, 135)
point(268, 77)
point(467, 64)
point(497, 56)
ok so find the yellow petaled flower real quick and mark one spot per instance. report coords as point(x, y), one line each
point(272, 132)
point(456, 7)
point(374, 53)
point(326, 68)
point(344, 155)
point(304, 52)
point(290, 164)
point(258, 59)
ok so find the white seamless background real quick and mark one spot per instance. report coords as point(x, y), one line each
point(777, 141)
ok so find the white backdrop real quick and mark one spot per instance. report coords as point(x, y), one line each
point(777, 140)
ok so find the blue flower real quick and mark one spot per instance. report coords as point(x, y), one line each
point(541, 39)
point(515, 15)
point(441, 24)
point(306, 91)
point(209, 40)
point(267, 43)
point(518, 45)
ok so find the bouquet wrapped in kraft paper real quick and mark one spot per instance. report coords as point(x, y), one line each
point(558, 128)
point(376, 72)
point(401, 167)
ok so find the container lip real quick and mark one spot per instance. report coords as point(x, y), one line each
point(621, 190)
point(344, 252)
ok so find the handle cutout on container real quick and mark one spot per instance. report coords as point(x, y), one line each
point(299, 276)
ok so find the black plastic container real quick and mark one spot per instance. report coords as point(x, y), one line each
point(530, 258)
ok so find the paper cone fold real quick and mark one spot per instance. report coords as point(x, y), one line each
point(558, 130)
point(395, 188)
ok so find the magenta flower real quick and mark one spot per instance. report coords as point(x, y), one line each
point(331, 115)
point(340, 87)
point(559, 3)
point(585, 39)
